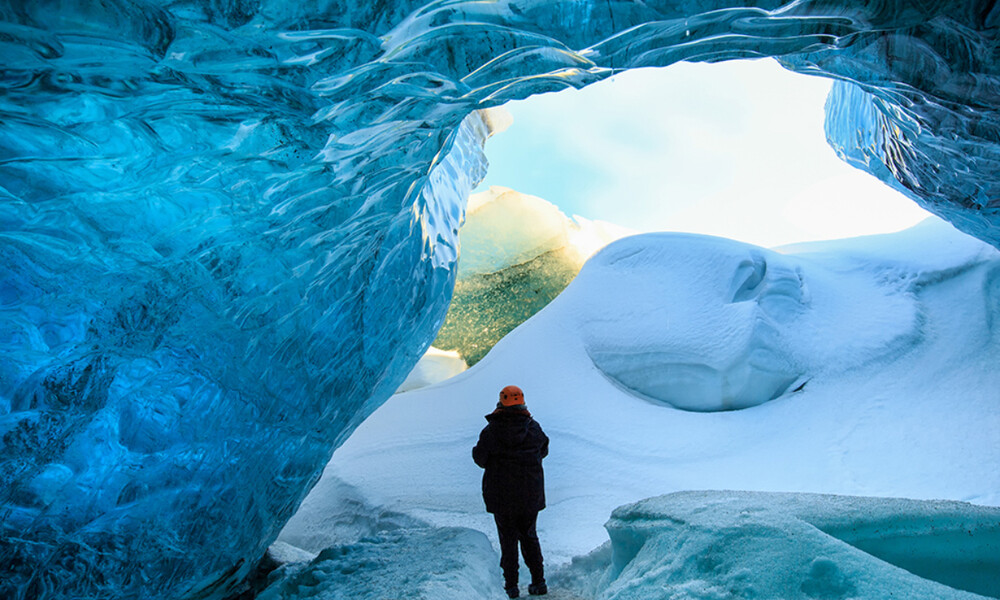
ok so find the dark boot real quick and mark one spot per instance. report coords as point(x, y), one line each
point(512, 591)
point(538, 589)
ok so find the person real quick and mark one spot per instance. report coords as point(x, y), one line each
point(510, 450)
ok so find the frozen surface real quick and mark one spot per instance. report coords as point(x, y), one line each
point(701, 545)
point(166, 402)
point(896, 341)
point(434, 366)
point(423, 564)
point(336, 514)
point(518, 253)
point(349, 548)
point(229, 230)
point(504, 228)
point(698, 323)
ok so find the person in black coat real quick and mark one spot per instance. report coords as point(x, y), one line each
point(510, 449)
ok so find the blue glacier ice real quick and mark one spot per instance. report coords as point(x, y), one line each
point(229, 229)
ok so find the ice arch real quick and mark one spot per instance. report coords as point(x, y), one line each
point(228, 229)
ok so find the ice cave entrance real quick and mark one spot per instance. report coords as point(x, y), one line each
point(734, 149)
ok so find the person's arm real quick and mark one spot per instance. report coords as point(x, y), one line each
point(544, 450)
point(481, 451)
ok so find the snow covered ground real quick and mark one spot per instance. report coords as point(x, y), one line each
point(878, 356)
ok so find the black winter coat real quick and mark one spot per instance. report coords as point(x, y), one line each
point(511, 448)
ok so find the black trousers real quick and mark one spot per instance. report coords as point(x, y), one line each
point(514, 528)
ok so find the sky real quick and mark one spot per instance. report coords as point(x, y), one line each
point(734, 149)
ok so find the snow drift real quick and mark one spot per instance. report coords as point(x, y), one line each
point(895, 338)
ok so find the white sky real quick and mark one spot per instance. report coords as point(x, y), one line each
point(734, 149)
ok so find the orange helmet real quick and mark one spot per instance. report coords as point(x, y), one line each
point(511, 396)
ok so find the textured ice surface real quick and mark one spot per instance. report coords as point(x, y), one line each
point(518, 253)
point(422, 564)
point(697, 545)
point(228, 230)
point(196, 309)
point(360, 550)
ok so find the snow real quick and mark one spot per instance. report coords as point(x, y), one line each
point(894, 337)
point(434, 366)
point(430, 564)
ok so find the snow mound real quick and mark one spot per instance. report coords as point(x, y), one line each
point(895, 404)
point(705, 324)
point(434, 366)
point(336, 514)
point(701, 545)
point(417, 564)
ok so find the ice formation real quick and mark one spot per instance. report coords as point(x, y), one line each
point(518, 253)
point(417, 563)
point(194, 315)
point(695, 545)
point(709, 324)
point(339, 545)
point(229, 230)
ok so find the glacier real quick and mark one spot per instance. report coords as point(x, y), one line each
point(518, 252)
point(229, 229)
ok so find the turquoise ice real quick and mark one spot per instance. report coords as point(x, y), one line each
point(229, 230)
point(691, 545)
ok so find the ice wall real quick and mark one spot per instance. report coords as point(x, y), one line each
point(228, 230)
point(198, 299)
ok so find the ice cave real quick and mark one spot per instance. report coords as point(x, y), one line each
point(230, 229)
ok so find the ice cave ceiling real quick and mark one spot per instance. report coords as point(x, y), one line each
point(229, 229)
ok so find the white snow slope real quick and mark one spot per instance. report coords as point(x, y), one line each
point(891, 342)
